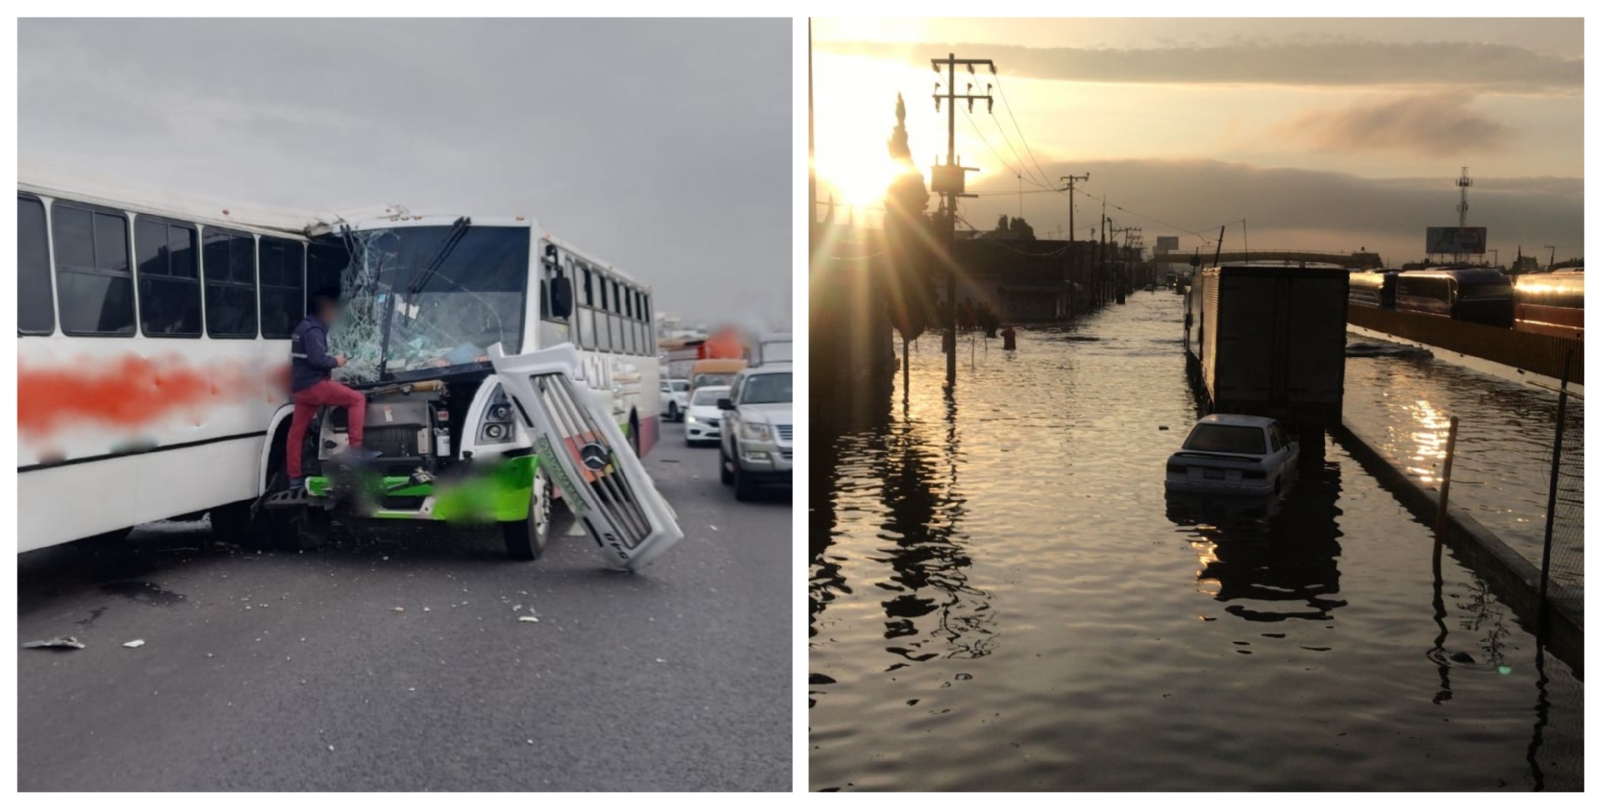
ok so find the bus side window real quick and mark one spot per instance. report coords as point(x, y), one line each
point(94, 278)
point(36, 308)
point(649, 324)
point(228, 261)
point(602, 314)
point(585, 306)
point(169, 278)
point(283, 295)
point(616, 317)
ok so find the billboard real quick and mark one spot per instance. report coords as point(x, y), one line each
point(1166, 244)
point(1454, 240)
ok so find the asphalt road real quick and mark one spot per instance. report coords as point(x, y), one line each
point(299, 671)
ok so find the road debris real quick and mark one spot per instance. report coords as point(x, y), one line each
point(56, 643)
point(133, 644)
point(527, 618)
point(399, 608)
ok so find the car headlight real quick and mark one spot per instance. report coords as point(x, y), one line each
point(755, 431)
point(691, 419)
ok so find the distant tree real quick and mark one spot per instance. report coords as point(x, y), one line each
point(1020, 229)
point(1004, 226)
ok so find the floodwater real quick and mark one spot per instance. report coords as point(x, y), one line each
point(1003, 597)
point(1501, 471)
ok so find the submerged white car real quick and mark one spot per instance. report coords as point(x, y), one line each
point(704, 422)
point(1233, 454)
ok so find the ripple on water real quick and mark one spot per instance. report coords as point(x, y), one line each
point(1003, 597)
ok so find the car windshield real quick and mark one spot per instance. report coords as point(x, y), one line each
point(707, 396)
point(1225, 438)
point(719, 379)
point(474, 297)
point(681, 387)
point(768, 388)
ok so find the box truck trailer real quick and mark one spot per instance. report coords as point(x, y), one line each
point(1269, 340)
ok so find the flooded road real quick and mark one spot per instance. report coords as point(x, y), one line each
point(1004, 598)
point(1501, 471)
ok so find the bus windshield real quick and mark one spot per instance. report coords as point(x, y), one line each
point(473, 298)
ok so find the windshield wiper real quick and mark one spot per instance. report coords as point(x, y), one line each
point(451, 239)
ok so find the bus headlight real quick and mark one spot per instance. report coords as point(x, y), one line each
point(497, 425)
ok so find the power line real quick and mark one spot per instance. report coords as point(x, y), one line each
point(997, 155)
point(1198, 234)
point(1001, 87)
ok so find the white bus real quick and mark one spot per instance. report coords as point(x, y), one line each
point(153, 352)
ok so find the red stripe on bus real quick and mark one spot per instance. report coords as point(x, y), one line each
point(136, 391)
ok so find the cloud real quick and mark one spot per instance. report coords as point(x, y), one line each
point(1315, 63)
point(1430, 125)
point(632, 138)
point(1294, 208)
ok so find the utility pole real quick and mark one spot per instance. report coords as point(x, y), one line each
point(1072, 227)
point(950, 180)
point(1463, 183)
point(1552, 249)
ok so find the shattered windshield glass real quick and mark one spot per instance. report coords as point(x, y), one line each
point(474, 297)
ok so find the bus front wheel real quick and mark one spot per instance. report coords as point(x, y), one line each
point(526, 540)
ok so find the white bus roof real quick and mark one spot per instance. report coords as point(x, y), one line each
point(52, 181)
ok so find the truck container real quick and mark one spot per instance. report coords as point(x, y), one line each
point(1269, 340)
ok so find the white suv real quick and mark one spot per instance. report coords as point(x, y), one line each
point(757, 441)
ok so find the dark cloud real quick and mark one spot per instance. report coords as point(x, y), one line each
point(1432, 124)
point(1294, 208)
point(1324, 63)
point(664, 146)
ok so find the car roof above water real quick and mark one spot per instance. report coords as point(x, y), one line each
point(1236, 420)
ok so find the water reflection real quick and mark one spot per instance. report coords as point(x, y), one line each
point(1270, 558)
point(1501, 470)
point(928, 558)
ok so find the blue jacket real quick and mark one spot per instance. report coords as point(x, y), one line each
point(309, 362)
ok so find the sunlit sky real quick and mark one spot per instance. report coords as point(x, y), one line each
point(1321, 134)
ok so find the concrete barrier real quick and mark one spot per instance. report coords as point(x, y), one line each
point(1513, 579)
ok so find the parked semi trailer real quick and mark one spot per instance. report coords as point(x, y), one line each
point(1269, 340)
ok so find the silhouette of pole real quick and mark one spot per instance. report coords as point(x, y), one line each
point(952, 185)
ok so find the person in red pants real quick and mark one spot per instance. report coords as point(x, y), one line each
point(312, 385)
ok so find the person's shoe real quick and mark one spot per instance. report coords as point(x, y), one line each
point(359, 453)
point(297, 484)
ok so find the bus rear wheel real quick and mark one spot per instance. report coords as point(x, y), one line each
point(526, 540)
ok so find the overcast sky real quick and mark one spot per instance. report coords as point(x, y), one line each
point(1323, 134)
point(664, 147)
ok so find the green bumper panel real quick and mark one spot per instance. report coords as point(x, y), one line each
point(498, 493)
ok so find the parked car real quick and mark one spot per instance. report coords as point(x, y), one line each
point(674, 398)
point(757, 443)
point(704, 419)
point(1233, 454)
